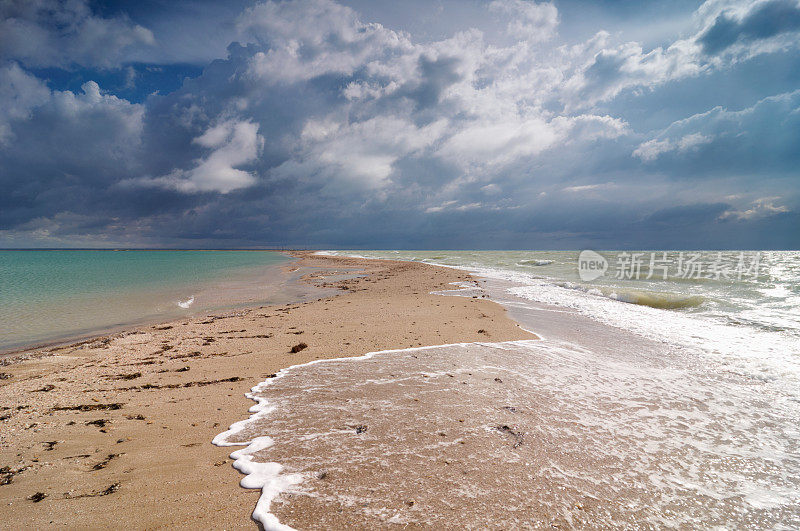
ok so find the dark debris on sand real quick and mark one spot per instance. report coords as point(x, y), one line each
point(37, 497)
point(104, 463)
point(7, 474)
point(111, 489)
point(517, 436)
point(90, 407)
point(200, 383)
point(298, 347)
point(131, 376)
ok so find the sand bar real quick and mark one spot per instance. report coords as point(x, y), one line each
point(116, 431)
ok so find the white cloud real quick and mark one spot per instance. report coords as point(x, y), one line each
point(496, 140)
point(588, 187)
point(234, 143)
point(760, 208)
point(762, 136)
point(530, 21)
point(94, 119)
point(611, 70)
point(360, 153)
point(20, 93)
point(44, 33)
point(727, 31)
point(454, 206)
point(310, 38)
point(652, 149)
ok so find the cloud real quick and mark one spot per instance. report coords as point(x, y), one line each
point(758, 21)
point(612, 70)
point(358, 153)
point(764, 136)
point(358, 103)
point(493, 141)
point(309, 38)
point(588, 187)
point(652, 149)
point(233, 143)
point(65, 149)
point(52, 33)
point(695, 216)
point(90, 118)
point(321, 127)
point(760, 208)
point(20, 93)
point(728, 32)
point(530, 21)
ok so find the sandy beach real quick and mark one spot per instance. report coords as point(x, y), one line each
point(339, 264)
point(116, 430)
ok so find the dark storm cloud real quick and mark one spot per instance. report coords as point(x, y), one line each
point(319, 128)
point(766, 20)
point(687, 215)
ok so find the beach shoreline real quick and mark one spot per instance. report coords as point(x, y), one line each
point(89, 308)
point(117, 430)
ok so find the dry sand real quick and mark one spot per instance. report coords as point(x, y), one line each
point(116, 431)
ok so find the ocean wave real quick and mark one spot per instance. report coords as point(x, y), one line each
point(535, 262)
point(188, 302)
point(664, 301)
point(661, 300)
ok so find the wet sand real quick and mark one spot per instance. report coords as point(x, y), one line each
point(116, 431)
point(588, 427)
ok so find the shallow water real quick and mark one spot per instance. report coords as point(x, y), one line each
point(48, 295)
point(751, 324)
point(591, 426)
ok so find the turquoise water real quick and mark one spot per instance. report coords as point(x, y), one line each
point(46, 295)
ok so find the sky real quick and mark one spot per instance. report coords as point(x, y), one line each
point(435, 124)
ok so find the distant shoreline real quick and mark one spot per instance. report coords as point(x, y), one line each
point(275, 250)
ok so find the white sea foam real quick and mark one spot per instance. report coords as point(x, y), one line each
point(548, 430)
point(693, 424)
point(535, 262)
point(188, 302)
point(758, 337)
point(258, 475)
point(268, 476)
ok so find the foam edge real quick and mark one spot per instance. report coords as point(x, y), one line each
point(267, 476)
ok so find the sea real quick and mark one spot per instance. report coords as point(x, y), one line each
point(741, 306)
point(662, 390)
point(53, 295)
